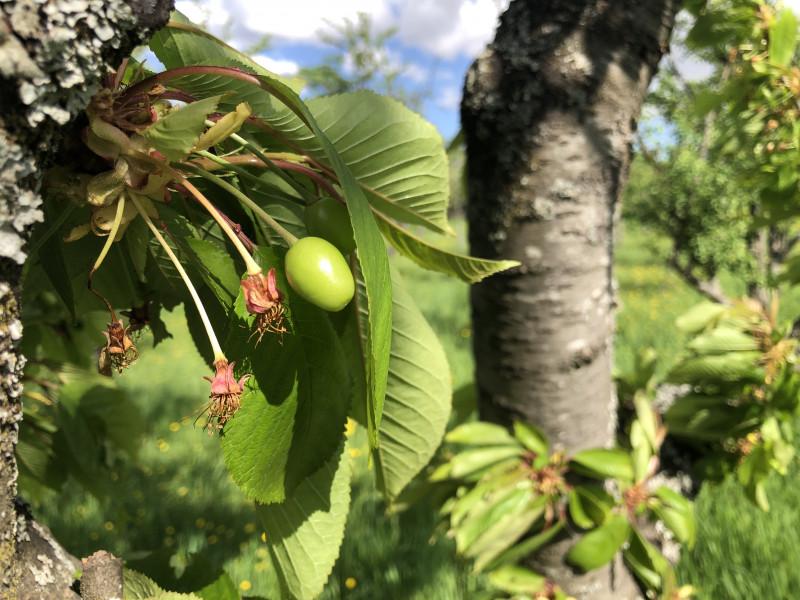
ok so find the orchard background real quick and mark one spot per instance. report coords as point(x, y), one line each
point(599, 403)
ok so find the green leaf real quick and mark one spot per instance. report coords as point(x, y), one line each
point(758, 494)
point(577, 512)
point(304, 533)
point(221, 588)
point(699, 317)
point(36, 458)
point(783, 38)
point(595, 502)
point(730, 367)
point(480, 433)
point(604, 463)
point(113, 414)
point(680, 523)
point(674, 499)
point(517, 580)
point(206, 258)
point(641, 451)
point(598, 547)
point(492, 509)
point(217, 268)
point(175, 134)
point(293, 412)
point(721, 340)
point(396, 156)
point(374, 298)
point(136, 586)
point(266, 441)
point(418, 397)
point(532, 438)
point(505, 532)
point(646, 416)
point(52, 261)
point(528, 546)
point(466, 268)
point(470, 463)
point(752, 472)
point(462, 505)
point(708, 418)
point(646, 562)
point(280, 201)
point(183, 45)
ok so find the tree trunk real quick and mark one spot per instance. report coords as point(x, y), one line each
point(53, 55)
point(549, 113)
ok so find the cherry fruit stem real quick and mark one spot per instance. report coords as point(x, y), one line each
point(212, 337)
point(252, 266)
point(287, 236)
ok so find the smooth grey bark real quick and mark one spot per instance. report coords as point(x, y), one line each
point(549, 113)
point(53, 55)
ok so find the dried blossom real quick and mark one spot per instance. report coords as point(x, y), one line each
point(225, 397)
point(119, 352)
point(264, 299)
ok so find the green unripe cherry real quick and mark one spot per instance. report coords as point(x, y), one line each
point(327, 218)
point(319, 273)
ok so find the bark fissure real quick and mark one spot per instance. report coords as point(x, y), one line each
point(549, 115)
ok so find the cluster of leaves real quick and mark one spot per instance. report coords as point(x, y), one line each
point(744, 393)
point(182, 199)
point(508, 496)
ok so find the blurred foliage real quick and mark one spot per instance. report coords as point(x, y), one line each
point(507, 496)
point(700, 207)
point(679, 188)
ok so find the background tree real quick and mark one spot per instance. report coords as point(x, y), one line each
point(360, 59)
point(680, 189)
point(54, 57)
point(549, 113)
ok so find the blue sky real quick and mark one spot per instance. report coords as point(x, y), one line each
point(436, 40)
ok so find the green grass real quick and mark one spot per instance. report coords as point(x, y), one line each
point(651, 297)
point(176, 512)
point(742, 552)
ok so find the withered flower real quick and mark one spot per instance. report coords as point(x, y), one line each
point(119, 352)
point(264, 299)
point(226, 393)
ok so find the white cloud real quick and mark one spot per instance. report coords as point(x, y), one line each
point(302, 20)
point(416, 73)
point(208, 13)
point(448, 28)
point(444, 28)
point(277, 65)
point(690, 66)
point(449, 97)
